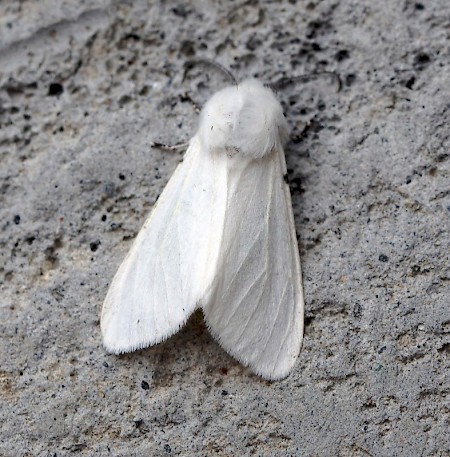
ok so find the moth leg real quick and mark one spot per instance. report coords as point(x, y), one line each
point(169, 147)
point(187, 98)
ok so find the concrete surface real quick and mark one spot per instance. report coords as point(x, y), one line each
point(86, 86)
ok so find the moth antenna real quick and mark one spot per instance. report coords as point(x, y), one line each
point(206, 62)
point(187, 98)
point(283, 82)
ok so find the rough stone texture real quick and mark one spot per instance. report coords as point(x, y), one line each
point(86, 86)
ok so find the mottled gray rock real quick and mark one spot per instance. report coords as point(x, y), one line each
point(86, 86)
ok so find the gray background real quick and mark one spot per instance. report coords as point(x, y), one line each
point(86, 86)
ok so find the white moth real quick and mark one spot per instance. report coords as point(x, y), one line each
point(222, 238)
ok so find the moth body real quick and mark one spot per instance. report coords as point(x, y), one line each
point(222, 238)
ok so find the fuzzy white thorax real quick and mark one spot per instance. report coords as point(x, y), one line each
point(244, 119)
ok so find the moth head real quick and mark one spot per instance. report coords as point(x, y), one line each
point(245, 119)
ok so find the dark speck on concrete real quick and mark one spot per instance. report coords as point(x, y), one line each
point(55, 89)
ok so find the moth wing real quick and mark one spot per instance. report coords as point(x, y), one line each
point(256, 309)
point(163, 277)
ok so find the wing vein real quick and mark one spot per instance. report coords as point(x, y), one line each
point(238, 269)
point(261, 274)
